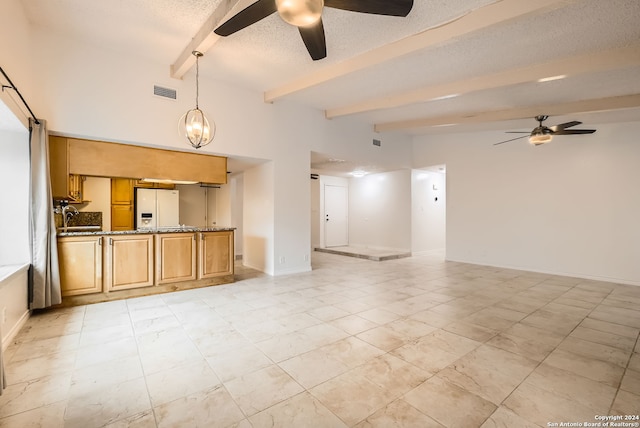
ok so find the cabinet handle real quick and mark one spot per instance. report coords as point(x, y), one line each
point(100, 240)
point(110, 241)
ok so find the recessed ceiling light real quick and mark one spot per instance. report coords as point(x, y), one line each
point(552, 78)
point(359, 173)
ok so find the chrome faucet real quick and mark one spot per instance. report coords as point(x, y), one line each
point(68, 212)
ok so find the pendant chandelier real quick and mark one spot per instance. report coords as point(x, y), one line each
point(193, 124)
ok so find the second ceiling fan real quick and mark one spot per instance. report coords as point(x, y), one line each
point(542, 134)
point(307, 16)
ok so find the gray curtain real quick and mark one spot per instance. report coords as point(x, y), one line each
point(44, 275)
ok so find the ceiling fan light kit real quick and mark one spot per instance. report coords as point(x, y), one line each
point(194, 124)
point(300, 13)
point(539, 139)
point(307, 16)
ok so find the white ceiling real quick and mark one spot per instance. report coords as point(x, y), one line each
point(512, 36)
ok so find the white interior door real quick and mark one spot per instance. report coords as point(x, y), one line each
point(336, 216)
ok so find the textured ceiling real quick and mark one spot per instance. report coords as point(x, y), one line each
point(270, 55)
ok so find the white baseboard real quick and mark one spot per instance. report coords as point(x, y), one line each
point(551, 272)
point(8, 339)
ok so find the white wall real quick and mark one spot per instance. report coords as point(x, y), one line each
point(258, 218)
point(16, 48)
point(98, 191)
point(569, 207)
point(428, 215)
point(237, 211)
point(380, 211)
point(14, 193)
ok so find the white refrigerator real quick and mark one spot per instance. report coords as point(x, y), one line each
point(157, 208)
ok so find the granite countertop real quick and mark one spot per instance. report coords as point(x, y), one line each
point(185, 229)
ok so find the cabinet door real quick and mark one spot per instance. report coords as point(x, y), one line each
point(216, 254)
point(129, 262)
point(80, 262)
point(59, 167)
point(121, 217)
point(121, 191)
point(175, 257)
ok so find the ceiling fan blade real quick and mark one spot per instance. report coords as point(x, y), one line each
point(250, 15)
point(575, 132)
point(513, 139)
point(314, 40)
point(378, 7)
point(517, 132)
point(562, 126)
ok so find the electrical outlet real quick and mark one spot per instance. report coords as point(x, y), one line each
point(306, 257)
point(282, 259)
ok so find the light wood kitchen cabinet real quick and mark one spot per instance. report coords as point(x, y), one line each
point(121, 204)
point(102, 159)
point(128, 262)
point(121, 191)
point(80, 263)
point(63, 184)
point(175, 257)
point(216, 254)
point(121, 217)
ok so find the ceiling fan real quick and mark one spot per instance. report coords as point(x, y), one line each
point(307, 16)
point(543, 134)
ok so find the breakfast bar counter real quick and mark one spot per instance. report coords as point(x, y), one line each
point(100, 266)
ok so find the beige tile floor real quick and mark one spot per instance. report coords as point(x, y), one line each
point(413, 342)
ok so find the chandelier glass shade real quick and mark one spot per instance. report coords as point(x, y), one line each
point(194, 124)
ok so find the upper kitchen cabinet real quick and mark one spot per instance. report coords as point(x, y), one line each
point(121, 191)
point(63, 184)
point(87, 157)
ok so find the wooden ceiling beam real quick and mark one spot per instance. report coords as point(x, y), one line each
point(481, 18)
point(205, 38)
point(581, 64)
point(575, 107)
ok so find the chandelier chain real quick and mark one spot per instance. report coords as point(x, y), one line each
point(197, 80)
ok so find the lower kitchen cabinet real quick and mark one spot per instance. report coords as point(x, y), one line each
point(216, 254)
point(80, 263)
point(100, 264)
point(129, 262)
point(175, 257)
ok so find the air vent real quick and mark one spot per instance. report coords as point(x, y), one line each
point(163, 92)
point(377, 143)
